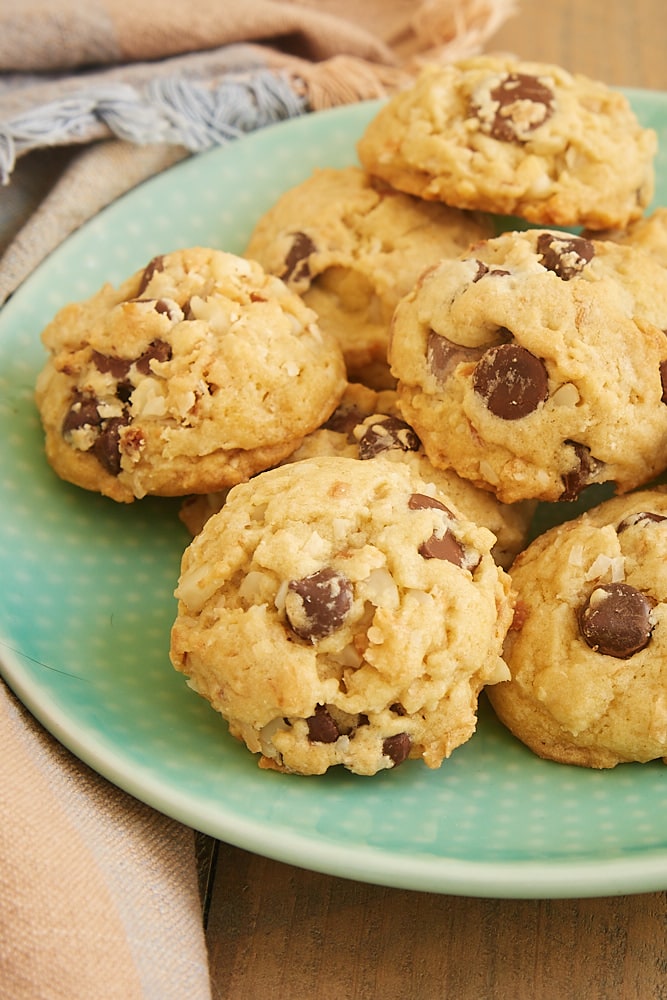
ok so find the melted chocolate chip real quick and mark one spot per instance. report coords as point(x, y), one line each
point(641, 517)
point(158, 350)
point(483, 269)
point(322, 727)
point(511, 381)
point(319, 605)
point(663, 381)
point(397, 748)
point(344, 419)
point(442, 355)
point(446, 547)
point(124, 390)
point(583, 473)
point(387, 433)
point(108, 364)
point(515, 107)
point(106, 448)
point(420, 501)
point(616, 620)
point(566, 256)
point(153, 267)
point(443, 545)
point(82, 413)
point(296, 263)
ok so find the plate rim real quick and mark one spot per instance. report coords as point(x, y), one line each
point(520, 878)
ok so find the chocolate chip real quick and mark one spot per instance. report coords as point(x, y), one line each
point(344, 419)
point(106, 448)
point(318, 604)
point(583, 473)
point(515, 107)
point(483, 269)
point(397, 748)
point(511, 381)
point(153, 267)
point(420, 501)
point(397, 708)
point(442, 355)
point(108, 364)
point(124, 390)
point(297, 260)
point(641, 517)
point(158, 350)
point(443, 545)
point(566, 256)
point(663, 381)
point(616, 620)
point(82, 413)
point(322, 727)
point(386, 433)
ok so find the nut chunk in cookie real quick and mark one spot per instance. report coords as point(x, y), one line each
point(536, 365)
point(342, 612)
point(588, 648)
point(517, 138)
point(194, 374)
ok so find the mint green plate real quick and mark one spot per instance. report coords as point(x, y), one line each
point(87, 607)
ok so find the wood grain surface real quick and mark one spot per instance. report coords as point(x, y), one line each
point(276, 931)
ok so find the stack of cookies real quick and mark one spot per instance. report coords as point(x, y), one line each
point(364, 410)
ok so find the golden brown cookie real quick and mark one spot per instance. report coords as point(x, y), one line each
point(197, 372)
point(588, 649)
point(352, 247)
point(536, 364)
point(517, 138)
point(342, 612)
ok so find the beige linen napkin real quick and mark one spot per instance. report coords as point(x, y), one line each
point(98, 892)
point(147, 60)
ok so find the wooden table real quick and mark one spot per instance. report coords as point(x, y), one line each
point(277, 931)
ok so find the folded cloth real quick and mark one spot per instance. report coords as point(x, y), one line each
point(180, 78)
point(98, 892)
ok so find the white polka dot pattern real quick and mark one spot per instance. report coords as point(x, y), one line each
point(88, 604)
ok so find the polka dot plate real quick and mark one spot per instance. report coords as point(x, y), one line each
point(88, 604)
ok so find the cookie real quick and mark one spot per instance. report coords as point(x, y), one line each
point(352, 247)
point(648, 234)
point(588, 648)
point(535, 366)
point(195, 373)
point(516, 138)
point(367, 424)
point(338, 612)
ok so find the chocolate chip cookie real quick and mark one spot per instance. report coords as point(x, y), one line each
point(351, 246)
point(588, 648)
point(342, 612)
point(648, 233)
point(536, 365)
point(197, 372)
point(516, 138)
point(367, 424)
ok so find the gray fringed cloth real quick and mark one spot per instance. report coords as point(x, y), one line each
point(98, 892)
point(139, 85)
